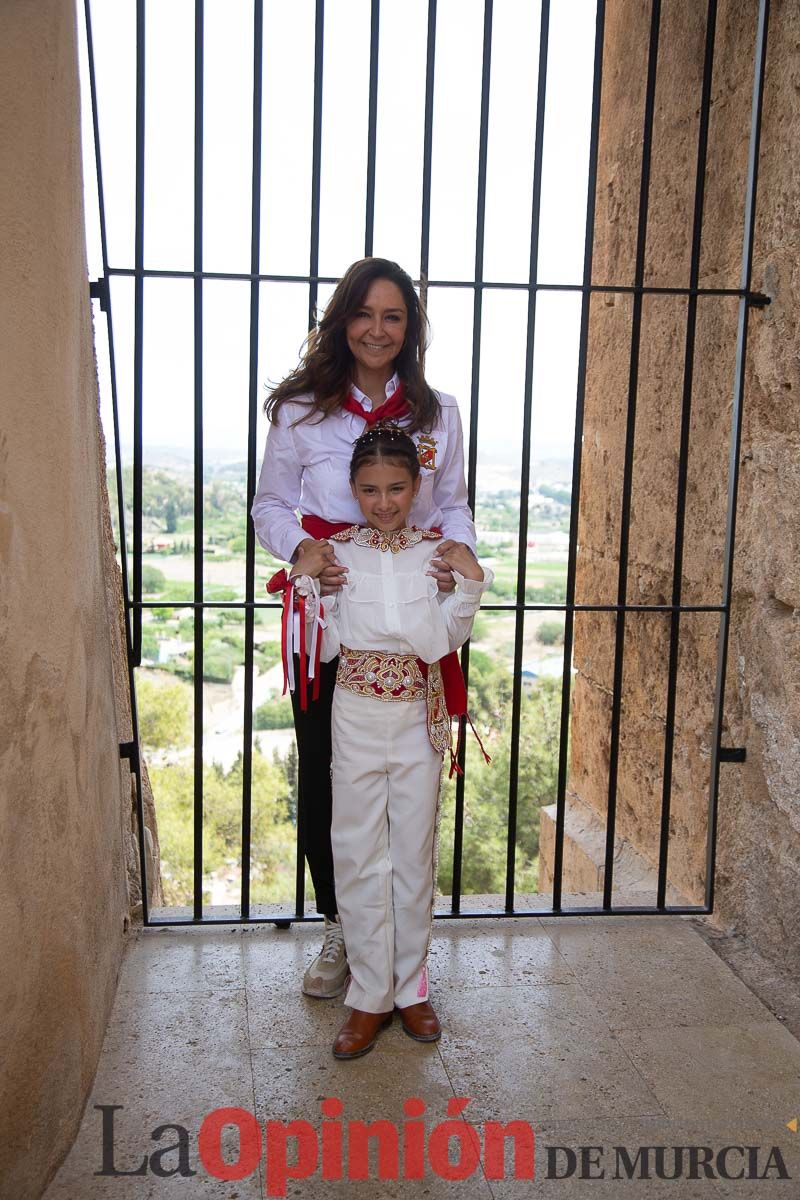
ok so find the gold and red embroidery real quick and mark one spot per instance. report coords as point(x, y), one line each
point(439, 728)
point(426, 452)
point(377, 673)
point(380, 539)
point(398, 677)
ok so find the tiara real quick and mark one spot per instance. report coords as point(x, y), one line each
point(387, 429)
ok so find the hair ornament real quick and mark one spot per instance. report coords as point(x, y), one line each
point(381, 429)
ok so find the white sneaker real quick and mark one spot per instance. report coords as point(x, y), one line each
point(327, 974)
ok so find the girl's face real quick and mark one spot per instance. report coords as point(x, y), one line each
point(376, 333)
point(385, 493)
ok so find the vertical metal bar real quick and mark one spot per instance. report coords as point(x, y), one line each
point(630, 438)
point(316, 161)
point(524, 487)
point(427, 154)
point(736, 434)
point(252, 427)
point(577, 452)
point(138, 329)
point(136, 767)
point(372, 126)
point(683, 455)
point(472, 453)
point(198, 459)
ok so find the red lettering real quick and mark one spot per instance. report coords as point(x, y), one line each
point(209, 1143)
point(278, 1169)
point(494, 1149)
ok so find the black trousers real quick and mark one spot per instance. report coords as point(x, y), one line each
point(314, 800)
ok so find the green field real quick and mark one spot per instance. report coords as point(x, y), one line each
point(166, 688)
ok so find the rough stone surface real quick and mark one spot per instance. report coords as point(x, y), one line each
point(758, 856)
point(65, 808)
point(122, 697)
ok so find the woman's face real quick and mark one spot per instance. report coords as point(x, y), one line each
point(376, 333)
point(385, 492)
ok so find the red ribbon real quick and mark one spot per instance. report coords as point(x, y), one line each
point(395, 406)
point(280, 582)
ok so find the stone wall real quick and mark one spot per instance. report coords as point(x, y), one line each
point(65, 796)
point(759, 812)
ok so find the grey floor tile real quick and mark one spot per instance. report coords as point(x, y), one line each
point(538, 1053)
point(148, 1027)
point(748, 1073)
point(183, 1093)
point(477, 954)
point(597, 1031)
point(182, 961)
point(293, 1082)
point(650, 974)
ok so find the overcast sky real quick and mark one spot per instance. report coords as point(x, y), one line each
point(286, 196)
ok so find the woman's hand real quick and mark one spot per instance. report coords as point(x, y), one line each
point(457, 556)
point(313, 559)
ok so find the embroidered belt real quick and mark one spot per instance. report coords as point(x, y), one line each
point(398, 677)
point(376, 673)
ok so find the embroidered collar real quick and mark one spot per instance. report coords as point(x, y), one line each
point(379, 539)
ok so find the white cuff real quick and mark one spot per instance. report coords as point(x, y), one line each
point(469, 591)
point(304, 585)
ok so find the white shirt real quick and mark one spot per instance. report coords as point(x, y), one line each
point(389, 603)
point(307, 467)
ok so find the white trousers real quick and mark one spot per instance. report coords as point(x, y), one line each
point(385, 777)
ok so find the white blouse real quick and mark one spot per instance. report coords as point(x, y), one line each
point(389, 603)
point(306, 467)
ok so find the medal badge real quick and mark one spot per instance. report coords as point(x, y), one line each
point(426, 451)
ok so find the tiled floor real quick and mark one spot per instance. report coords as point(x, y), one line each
point(597, 1032)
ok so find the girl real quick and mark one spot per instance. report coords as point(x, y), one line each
point(364, 361)
point(390, 628)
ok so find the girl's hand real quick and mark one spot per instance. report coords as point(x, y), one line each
point(313, 559)
point(456, 556)
point(333, 577)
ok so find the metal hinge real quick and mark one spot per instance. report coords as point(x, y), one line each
point(98, 290)
point(735, 754)
point(758, 300)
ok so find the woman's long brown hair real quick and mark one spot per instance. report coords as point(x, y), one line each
point(326, 367)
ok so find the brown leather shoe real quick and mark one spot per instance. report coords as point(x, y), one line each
point(421, 1022)
point(359, 1033)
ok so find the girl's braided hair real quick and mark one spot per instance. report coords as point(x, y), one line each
point(384, 443)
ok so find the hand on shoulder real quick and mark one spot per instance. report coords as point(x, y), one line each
point(312, 559)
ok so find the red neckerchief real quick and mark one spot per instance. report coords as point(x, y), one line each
point(395, 406)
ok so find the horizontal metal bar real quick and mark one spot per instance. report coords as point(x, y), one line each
point(620, 910)
point(645, 608)
point(756, 298)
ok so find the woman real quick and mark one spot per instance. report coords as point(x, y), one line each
point(364, 362)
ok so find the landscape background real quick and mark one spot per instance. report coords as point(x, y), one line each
point(166, 678)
